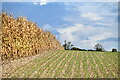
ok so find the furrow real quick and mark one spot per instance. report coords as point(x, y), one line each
point(96, 67)
point(113, 64)
point(44, 73)
point(45, 65)
point(55, 73)
point(76, 65)
point(102, 68)
point(90, 72)
point(70, 63)
point(63, 66)
point(85, 65)
point(53, 67)
point(30, 70)
point(73, 67)
point(81, 66)
point(110, 71)
point(35, 72)
point(21, 68)
point(31, 66)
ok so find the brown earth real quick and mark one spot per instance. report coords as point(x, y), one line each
point(9, 66)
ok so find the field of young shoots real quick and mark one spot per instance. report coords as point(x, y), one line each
point(70, 64)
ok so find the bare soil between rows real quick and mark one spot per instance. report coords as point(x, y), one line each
point(9, 66)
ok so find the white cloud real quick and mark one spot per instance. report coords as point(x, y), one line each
point(82, 16)
point(91, 16)
point(66, 33)
point(86, 36)
point(35, 3)
point(70, 29)
point(104, 24)
point(42, 2)
point(94, 39)
point(94, 11)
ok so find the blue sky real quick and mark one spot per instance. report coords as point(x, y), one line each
point(83, 23)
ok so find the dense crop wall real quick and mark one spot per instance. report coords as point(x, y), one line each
point(21, 38)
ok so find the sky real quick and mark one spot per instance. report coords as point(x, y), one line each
point(83, 23)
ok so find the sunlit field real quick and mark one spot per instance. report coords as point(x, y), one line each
point(70, 64)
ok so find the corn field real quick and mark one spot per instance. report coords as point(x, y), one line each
point(70, 64)
point(22, 38)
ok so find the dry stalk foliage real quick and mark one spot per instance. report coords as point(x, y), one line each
point(22, 38)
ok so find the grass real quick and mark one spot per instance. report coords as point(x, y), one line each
point(70, 64)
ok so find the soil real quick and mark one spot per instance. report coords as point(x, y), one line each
point(8, 67)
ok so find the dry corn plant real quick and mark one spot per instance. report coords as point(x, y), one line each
point(0, 45)
point(22, 38)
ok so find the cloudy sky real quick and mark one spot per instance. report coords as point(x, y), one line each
point(83, 23)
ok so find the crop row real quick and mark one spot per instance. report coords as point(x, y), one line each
point(70, 64)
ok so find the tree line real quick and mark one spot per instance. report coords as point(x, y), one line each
point(98, 47)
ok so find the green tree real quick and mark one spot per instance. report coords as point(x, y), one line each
point(114, 50)
point(99, 47)
point(67, 45)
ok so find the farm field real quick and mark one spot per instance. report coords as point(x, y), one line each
point(70, 64)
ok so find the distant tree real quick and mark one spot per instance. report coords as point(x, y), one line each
point(99, 47)
point(67, 45)
point(83, 50)
point(90, 50)
point(114, 50)
point(75, 48)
